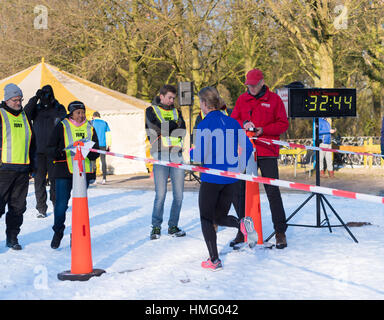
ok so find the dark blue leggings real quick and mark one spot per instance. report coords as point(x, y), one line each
point(63, 190)
point(214, 203)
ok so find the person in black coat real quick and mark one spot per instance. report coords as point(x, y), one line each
point(45, 112)
point(76, 126)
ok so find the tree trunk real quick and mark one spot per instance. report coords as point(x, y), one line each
point(132, 87)
point(324, 68)
point(377, 105)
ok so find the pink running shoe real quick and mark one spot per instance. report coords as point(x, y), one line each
point(213, 266)
point(248, 230)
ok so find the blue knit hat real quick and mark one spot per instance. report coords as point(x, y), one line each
point(11, 90)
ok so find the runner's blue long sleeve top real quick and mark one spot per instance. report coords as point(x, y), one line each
point(220, 143)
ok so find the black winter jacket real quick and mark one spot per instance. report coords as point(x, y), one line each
point(44, 120)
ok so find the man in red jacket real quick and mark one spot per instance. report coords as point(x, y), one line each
point(263, 111)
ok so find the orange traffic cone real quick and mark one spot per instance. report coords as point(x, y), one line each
point(81, 267)
point(252, 197)
point(252, 208)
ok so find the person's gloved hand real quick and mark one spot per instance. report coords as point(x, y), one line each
point(39, 93)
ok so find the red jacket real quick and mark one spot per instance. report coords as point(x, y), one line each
point(267, 112)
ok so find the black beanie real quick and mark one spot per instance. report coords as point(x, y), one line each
point(74, 105)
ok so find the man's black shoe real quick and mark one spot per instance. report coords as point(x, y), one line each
point(13, 243)
point(41, 214)
point(239, 239)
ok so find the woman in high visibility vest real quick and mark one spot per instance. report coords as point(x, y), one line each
point(73, 128)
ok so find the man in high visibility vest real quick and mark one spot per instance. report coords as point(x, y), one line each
point(165, 128)
point(73, 128)
point(17, 161)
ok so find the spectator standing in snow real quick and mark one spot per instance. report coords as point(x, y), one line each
point(165, 128)
point(73, 128)
point(45, 112)
point(325, 132)
point(17, 162)
point(263, 111)
point(218, 139)
point(105, 140)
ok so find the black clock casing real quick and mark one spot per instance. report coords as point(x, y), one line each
point(321, 103)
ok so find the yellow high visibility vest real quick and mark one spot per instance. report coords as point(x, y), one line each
point(167, 115)
point(17, 135)
point(73, 134)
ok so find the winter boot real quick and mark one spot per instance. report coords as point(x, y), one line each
point(13, 243)
point(176, 232)
point(155, 233)
point(248, 230)
point(215, 265)
point(55, 243)
point(331, 174)
point(322, 174)
point(41, 214)
point(281, 240)
point(239, 239)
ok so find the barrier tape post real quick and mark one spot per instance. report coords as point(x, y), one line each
point(81, 257)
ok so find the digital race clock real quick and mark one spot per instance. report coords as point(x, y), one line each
point(321, 103)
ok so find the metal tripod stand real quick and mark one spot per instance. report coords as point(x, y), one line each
point(321, 200)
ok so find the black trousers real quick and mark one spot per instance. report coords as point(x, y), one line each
point(13, 193)
point(44, 167)
point(103, 162)
point(269, 169)
point(238, 200)
point(214, 203)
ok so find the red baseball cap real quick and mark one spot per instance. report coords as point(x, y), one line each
point(253, 77)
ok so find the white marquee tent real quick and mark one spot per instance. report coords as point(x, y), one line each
point(124, 114)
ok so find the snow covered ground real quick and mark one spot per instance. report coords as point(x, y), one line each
point(316, 265)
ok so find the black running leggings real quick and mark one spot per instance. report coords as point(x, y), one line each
point(214, 203)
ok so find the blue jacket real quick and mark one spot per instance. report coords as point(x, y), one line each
point(217, 141)
point(101, 128)
point(324, 131)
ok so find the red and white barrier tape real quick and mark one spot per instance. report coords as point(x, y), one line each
point(302, 146)
point(242, 176)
